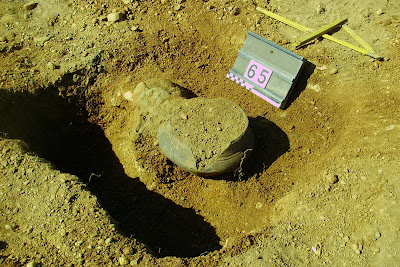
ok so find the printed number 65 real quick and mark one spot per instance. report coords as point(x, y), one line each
point(252, 72)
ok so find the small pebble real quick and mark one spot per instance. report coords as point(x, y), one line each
point(332, 178)
point(320, 9)
point(357, 248)
point(164, 2)
point(114, 17)
point(128, 96)
point(379, 12)
point(236, 11)
point(123, 260)
point(127, 2)
point(377, 234)
point(108, 240)
point(178, 7)
point(31, 264)
point(135, 28)
point(115, 102)
point(333, 71)
point(375, 249)
point(386, 22)
point(4, 163)
point(128, 79)
point(391, 127)
point(127, 250)
point(30, 5)
point(63, 232)
point(10, 226)
point(3, 39)
point(184, 116)
point(41, 39)
point(51, 66)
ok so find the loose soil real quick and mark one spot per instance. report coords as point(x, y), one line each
point(84, 183)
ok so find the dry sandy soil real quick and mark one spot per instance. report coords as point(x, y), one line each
point(84, 183)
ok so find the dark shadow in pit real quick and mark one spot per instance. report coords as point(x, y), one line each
point(301, 83)
point(3, 245)
point(52, 128)
point(270, 142)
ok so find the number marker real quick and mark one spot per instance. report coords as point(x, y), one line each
point(266, 69)
point(258, 73)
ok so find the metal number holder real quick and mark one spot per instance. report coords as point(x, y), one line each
point(266, 69)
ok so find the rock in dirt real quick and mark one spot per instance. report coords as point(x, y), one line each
point(357, 248)
point(320, 9)
point(115, 16)
point(108, 240)
point(375, 249)
point(123, 260)
point(115, 102)
point(42, 39)
point(30, 5)
point(135, 28)
point(391, 127)
point(332, 178)
point(10, 226)
point(236, 11)
point(178, 7)
point(386, 22)
point(333, 71)
point(128, 96)
point(51, 66)
point(127, 250)
point(31, 264)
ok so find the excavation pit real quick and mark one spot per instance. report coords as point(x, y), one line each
point(166, 208)
point(58, 130)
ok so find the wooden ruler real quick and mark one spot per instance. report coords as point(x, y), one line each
point(367, 50)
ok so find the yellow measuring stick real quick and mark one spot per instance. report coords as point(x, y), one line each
point(326, 36)
point(284, 20)
point(319, 32)
point(361, 41)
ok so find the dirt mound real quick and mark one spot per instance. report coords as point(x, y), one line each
point(207, 136)
point(208, 126)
